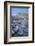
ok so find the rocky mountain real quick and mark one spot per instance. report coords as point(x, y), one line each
point(19, 25)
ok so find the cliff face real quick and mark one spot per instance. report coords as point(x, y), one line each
point(19, 25)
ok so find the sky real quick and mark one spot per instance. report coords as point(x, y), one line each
point(14, 11)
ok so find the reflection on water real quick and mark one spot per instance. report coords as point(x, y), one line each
point(19, 25)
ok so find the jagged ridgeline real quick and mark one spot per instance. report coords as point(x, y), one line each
point(19, 25)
